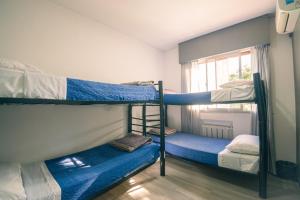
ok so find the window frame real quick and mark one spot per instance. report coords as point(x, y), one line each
point(214, 59)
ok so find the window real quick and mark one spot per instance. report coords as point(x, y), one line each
point(209, 73)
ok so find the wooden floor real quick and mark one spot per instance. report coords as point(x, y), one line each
point(186, 180)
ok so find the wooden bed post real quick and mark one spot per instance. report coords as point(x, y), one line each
point(263, 142)
point(162, 129)
point(129, 122)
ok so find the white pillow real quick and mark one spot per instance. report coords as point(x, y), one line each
point(11, 184)
point(236, 83)
point(16, 65)
point(244, 144)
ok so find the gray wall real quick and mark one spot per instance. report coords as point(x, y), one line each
point(296, 46)
point(283, 94)
point(242, 35)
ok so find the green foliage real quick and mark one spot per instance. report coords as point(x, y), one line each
point(233, 77)
point(246, 74)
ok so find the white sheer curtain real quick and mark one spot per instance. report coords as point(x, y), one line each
point(185, 87)
point(260, 63)
point(193, 77)
point(200, 76)
point(189, 117)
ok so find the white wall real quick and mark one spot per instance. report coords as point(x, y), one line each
point(172, 80)
point(65, 43)
point(62, 42)
point(283, 95)
point(241, 120)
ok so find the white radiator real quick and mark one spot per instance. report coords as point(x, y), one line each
point(217, 129)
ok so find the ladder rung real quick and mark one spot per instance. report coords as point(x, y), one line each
point(153, 115)
point(136, 131)
point(137, 118)
point(154, 126)
point(137, 125)
point(152, 120)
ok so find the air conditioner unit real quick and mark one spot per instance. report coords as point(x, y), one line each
point(287, 13)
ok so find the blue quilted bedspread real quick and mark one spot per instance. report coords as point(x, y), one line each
point(83, 175)
point(81, 90)
point(194, 147)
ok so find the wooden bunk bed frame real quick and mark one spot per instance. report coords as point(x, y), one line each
point(260, 101)
point(158, 102)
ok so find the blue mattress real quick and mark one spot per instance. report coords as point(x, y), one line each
point(187, 98)
point(84, 175)
point(81, 90)
point(194, 147)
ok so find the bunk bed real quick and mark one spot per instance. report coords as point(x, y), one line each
point(85, 174)
point(209, 150)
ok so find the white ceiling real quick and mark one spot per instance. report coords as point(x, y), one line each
point(165, 23)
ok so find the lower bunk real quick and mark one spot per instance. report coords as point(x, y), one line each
point(210, 151)
point(86, 174)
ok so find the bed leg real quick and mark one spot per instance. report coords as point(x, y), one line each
point(129, 119)
point(162, 130)
point(262, 185)
point(263, 141)
point(144, 119)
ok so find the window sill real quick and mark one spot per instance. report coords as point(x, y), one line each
point(223, 111)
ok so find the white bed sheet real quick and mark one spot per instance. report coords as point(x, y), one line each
point(11, 83)
point(44, 86)
point(233, 94)
point(236, 161)
point(38, 182)
point(11, 184)
point(20, 84)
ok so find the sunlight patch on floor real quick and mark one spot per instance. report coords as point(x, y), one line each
point(138, 192)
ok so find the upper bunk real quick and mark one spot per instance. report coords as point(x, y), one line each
point(241, 94)
point(31, 86)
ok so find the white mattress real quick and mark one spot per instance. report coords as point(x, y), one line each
point(233, 94)
point(236, 161)
point(38, 182)
point(44, 86)
point(27, 84)
point(11, 83)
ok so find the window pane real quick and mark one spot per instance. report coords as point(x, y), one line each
point(246, 67)
point(198, 78)
point(211, 76)
point(202, 71)
point(227, 70)
point(233, 68)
